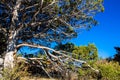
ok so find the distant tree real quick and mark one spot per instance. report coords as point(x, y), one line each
point(89, 52)
point(68, 47)
point(117, 49)
point(117, 55)
point(109, 59)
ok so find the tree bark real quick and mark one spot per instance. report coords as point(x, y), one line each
point(11, 47)
point(9, 60)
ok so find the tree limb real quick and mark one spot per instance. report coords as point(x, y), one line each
point(58, 52)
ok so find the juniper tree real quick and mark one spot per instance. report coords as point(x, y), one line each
point(38, 23)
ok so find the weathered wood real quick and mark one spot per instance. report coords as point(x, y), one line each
point(9, 60)
point(60, 55)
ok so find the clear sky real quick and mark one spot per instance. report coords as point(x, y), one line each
point(107, 34)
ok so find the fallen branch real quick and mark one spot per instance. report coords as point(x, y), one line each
point(34, 62)
point(58, 58)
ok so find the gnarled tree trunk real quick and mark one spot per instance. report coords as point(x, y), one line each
point(7, 60)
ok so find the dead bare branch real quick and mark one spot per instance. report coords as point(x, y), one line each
point(57, 57)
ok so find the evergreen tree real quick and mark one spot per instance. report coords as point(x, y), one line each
point(38, 23)
point(117, 55)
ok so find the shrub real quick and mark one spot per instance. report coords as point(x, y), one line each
point(17, 73)
point(109, 70)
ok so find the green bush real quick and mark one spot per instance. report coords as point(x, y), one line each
point(109, 70)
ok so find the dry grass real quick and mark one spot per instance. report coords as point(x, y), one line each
point(36, 78)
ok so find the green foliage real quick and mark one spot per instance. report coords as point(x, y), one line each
point(117, 55)
point(109, 70)
point(69, 47)
point(87, 74)
point(81, 72)
point(89, 52)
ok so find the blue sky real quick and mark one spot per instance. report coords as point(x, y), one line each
point(105, 35)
